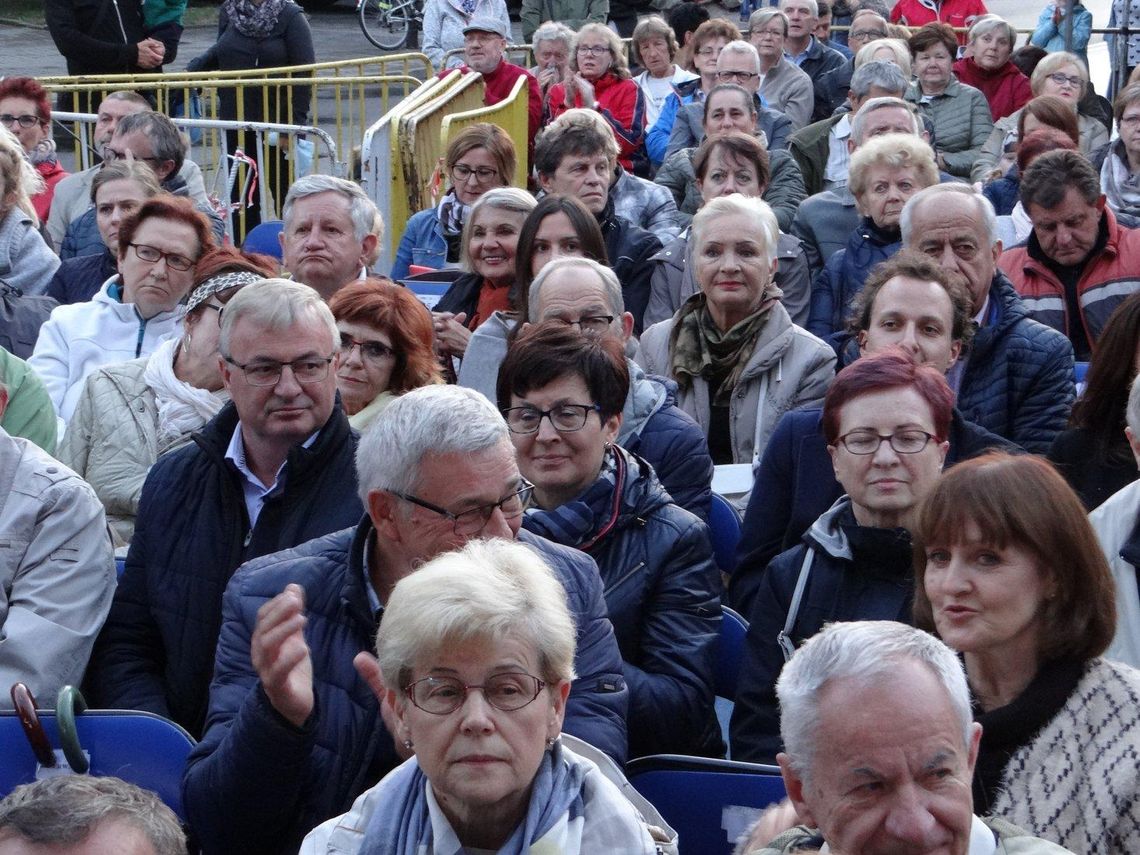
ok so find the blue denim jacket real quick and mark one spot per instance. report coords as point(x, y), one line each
point(423, 243)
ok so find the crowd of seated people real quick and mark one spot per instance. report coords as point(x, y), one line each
point(419, 573)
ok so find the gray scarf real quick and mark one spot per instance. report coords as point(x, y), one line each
point(1120, 186)
point(253, 21)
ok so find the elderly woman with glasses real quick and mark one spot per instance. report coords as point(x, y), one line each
point(602, 81)
point(131, 412)
point(386, 343)
point(1061, 75)
point(479, 158)
point(476, 652)
point(134, 311)
point(562, 394)
point(886, 419)
point(25, 110)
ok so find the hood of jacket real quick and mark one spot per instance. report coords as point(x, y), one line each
point(827, 534)
point(775, 338)
point(646, 396)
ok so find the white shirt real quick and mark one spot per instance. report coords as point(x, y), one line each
point(838, 157)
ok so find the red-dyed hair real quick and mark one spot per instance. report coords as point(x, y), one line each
point(30, 88)
point(167, 207)
point(888, 369)
point(1040, 141)
point(378, 302)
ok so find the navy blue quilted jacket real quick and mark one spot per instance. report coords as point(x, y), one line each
point(156, 651)
point(845, 272)
point(257, 784)
point(1018, 380)
point(662, 593)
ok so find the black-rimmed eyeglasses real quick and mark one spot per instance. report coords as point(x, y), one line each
point(444, 695)
point(309, 369)
point(902, 441)
point(474, 520)
point(25, 121)
point(565, 418)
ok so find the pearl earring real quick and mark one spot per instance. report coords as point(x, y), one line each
point(408, 744)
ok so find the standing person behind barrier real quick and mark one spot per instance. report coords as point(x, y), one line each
point(1053, 26)
point(260, 34)
point(886, 419)
point(1011, 576)
point(26, 112)
point(562, 395)
point(135, 311)
point(602, 82)
point(100, 39)
point(445, 20)
point(572, 14)
point(478, 158)
point(386, 340)
point(490, 244)
point(26, 262)
point(118, 190)
point(86, 815)
point(131, 412)
point(331, 230)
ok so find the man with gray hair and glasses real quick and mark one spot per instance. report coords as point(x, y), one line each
point(328, 235)
point(85, 815)
point(879, 751)
point(295, 731)
point(272, 470)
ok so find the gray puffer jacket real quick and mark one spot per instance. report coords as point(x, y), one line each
point(789, 368)
point(672, 282)
point(962, 123)
point(784, 193)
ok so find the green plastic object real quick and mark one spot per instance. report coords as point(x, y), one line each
point(70, 702)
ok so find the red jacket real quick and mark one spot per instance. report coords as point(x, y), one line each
point(622, 104)
point(1107, 280)
point(959, 14)
point(1007, 89)
point(52, 173)
point(497, 86)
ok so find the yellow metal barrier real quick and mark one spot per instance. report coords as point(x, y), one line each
point(417, 135)
point(509, 114)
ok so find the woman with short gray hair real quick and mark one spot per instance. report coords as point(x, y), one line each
point(490, 243)
point(987, 66)
point(476, 651)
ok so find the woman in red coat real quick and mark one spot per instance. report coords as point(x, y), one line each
point(602, 81)
point(25, 110)
point(986, 66)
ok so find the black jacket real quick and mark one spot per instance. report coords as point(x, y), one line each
point(662, 592)
point(856, 573)
point(257, 785)
point(79, 278)
point(156, 651)
point(629, 249)
point(97, 36)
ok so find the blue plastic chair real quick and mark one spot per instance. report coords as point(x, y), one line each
point(729, 652)
point(140, 747)
point(265, 238)
point(120, 567)
point(724, 529)
point(708, 802)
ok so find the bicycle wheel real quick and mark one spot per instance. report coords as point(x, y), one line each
point(385, 23)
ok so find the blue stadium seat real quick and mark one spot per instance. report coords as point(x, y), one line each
point(120, 566)
point(729, 652)
point(265, 238)
point(709, 802)
point(724, 529)
point(140, 747)
point(1080, 369)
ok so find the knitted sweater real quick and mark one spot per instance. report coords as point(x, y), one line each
point(1077, 781)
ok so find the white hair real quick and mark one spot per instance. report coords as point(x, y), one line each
point(734, 204)
point(609, 282)
point(811, 4)
point(879, 74)
point(276, 304)
point(490, 590)
point(863, 651)
point(985, 209)
point(362, 210)
point(742, 47)
point(428, 421)
point(552, 31)
point(859, 120)
point(509, 199)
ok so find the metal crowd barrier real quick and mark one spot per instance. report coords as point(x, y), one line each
point(226, 170)
point(511, 114)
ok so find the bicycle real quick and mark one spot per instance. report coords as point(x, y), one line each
point(389, 24)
